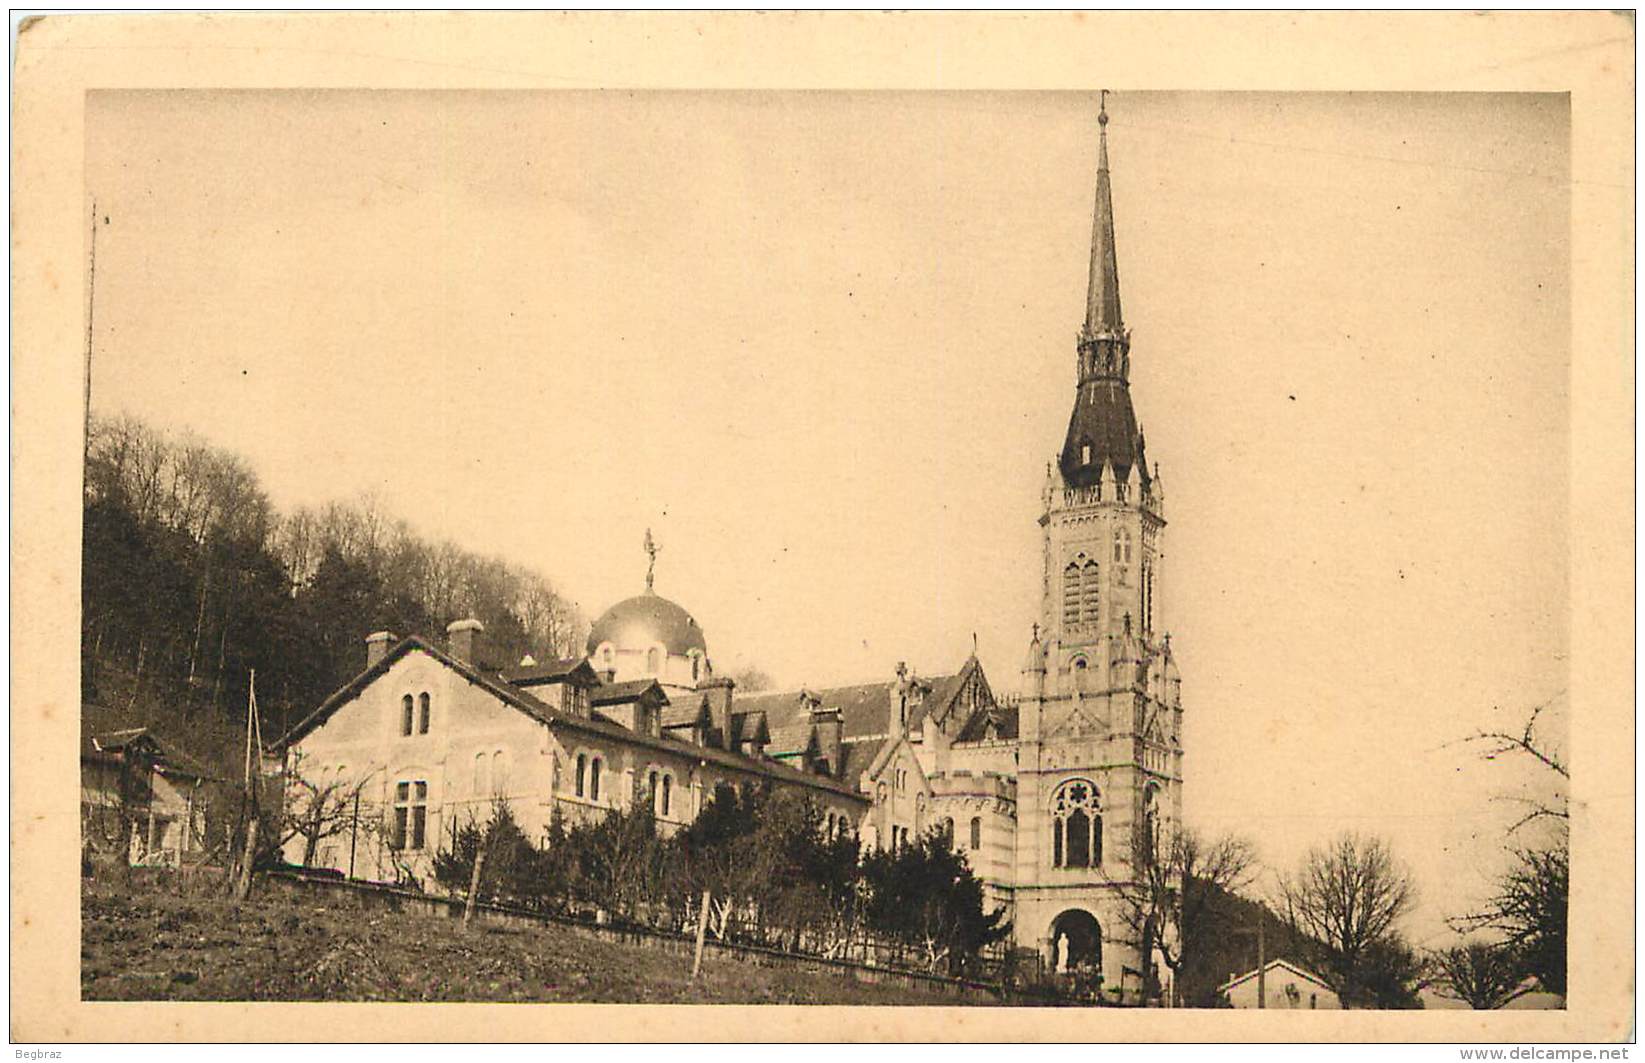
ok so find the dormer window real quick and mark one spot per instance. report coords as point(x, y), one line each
point(1085, 453)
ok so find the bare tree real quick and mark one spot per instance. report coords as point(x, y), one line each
point(1345, 898)
point(1529, 910)
point(1178, 878)
point(1483, 975)
point(322, 806)
point(1494, 745)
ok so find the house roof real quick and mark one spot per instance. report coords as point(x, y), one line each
point(648, 690)
point(686, 713)
point(865, 713)
point(497, 687)
point(571, 669)
point(105, 733)
point(1280, 963)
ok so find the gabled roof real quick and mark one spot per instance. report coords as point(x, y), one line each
point(1284, 964)
point(106, 734)
point(865, 712)
point(571, 669)
point(646, 690)
point(687, 713)
point(495, 685)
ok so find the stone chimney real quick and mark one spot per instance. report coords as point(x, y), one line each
point(463, 640)
point(830, 729)
point(377, 646)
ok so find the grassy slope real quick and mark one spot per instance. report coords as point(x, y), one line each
point(149, 943)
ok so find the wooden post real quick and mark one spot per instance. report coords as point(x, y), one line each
point(702, 933)
point(242, 887)
point(474, 882)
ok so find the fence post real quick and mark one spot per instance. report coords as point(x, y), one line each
point(702, 932)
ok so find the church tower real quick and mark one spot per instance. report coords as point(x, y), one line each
point(1099, 773)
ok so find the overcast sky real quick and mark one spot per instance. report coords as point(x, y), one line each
point(823, 345)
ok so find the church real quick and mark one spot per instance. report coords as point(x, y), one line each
point(1050, 793)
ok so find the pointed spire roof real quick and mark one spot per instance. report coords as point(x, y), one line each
point(1102, 295)
point(1102, 429)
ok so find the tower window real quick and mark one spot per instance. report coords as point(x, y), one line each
point(1085, 453)
point(651, 661)
point(1076, 826)
point(976, 832)
point(1071, 594)
point(1089, 594)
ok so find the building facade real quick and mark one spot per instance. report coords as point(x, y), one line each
point(1053, 795)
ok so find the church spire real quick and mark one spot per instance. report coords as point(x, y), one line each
point(1102, 295)
point(1102, 432)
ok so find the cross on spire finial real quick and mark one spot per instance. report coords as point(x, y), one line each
point(1102, 109)
point(651, 550)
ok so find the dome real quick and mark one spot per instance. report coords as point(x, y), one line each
point(646, 619)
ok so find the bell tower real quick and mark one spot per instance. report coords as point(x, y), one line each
point(1099, 772)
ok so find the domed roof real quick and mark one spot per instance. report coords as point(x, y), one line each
point(644, 619)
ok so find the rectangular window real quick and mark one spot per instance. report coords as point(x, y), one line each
point(410, 815)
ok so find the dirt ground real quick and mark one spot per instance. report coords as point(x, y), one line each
point(165, 942)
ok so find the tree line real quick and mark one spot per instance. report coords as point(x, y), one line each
point(771, 875)
point(191, 578)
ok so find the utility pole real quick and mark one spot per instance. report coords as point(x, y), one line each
point(1262, 956)
point(353, 831)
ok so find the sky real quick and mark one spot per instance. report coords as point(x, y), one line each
point(822, 344)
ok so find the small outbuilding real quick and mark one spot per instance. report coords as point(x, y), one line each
point(1284, 984)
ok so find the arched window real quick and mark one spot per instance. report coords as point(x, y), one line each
point(1150, 822)
point(481, 785)
point(605, 658)
point(696, 666)
point(422, 713)
point(1071, 593)
point(499, 773)
point(948, 830)
point(1076, 826)
point(582, 773)
point(668, 795)
point(594, 779)
point(405, 715)
point(879, 793)
point(1089, 584)
point(1085, 453)
point(976, 832)
point(653, 789)
point(651, 659)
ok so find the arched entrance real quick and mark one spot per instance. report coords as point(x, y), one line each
point(1076, 945)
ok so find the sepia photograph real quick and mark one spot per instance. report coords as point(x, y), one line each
point(1096, 548)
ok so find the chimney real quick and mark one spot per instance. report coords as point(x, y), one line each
point(830, 730)
point(463, 640)
point(377, 644)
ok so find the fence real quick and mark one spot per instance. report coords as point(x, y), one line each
point(404, 900)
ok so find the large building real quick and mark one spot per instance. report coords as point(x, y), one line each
point(1052, 795)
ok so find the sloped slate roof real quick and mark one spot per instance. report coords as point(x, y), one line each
point(538, 710)
point(1102, 417)
point(571, 668)
point(628, 690)
point(105, 732)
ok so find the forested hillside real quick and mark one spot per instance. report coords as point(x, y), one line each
point(191, 578)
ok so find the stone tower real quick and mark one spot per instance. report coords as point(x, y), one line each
point(1100, 763)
